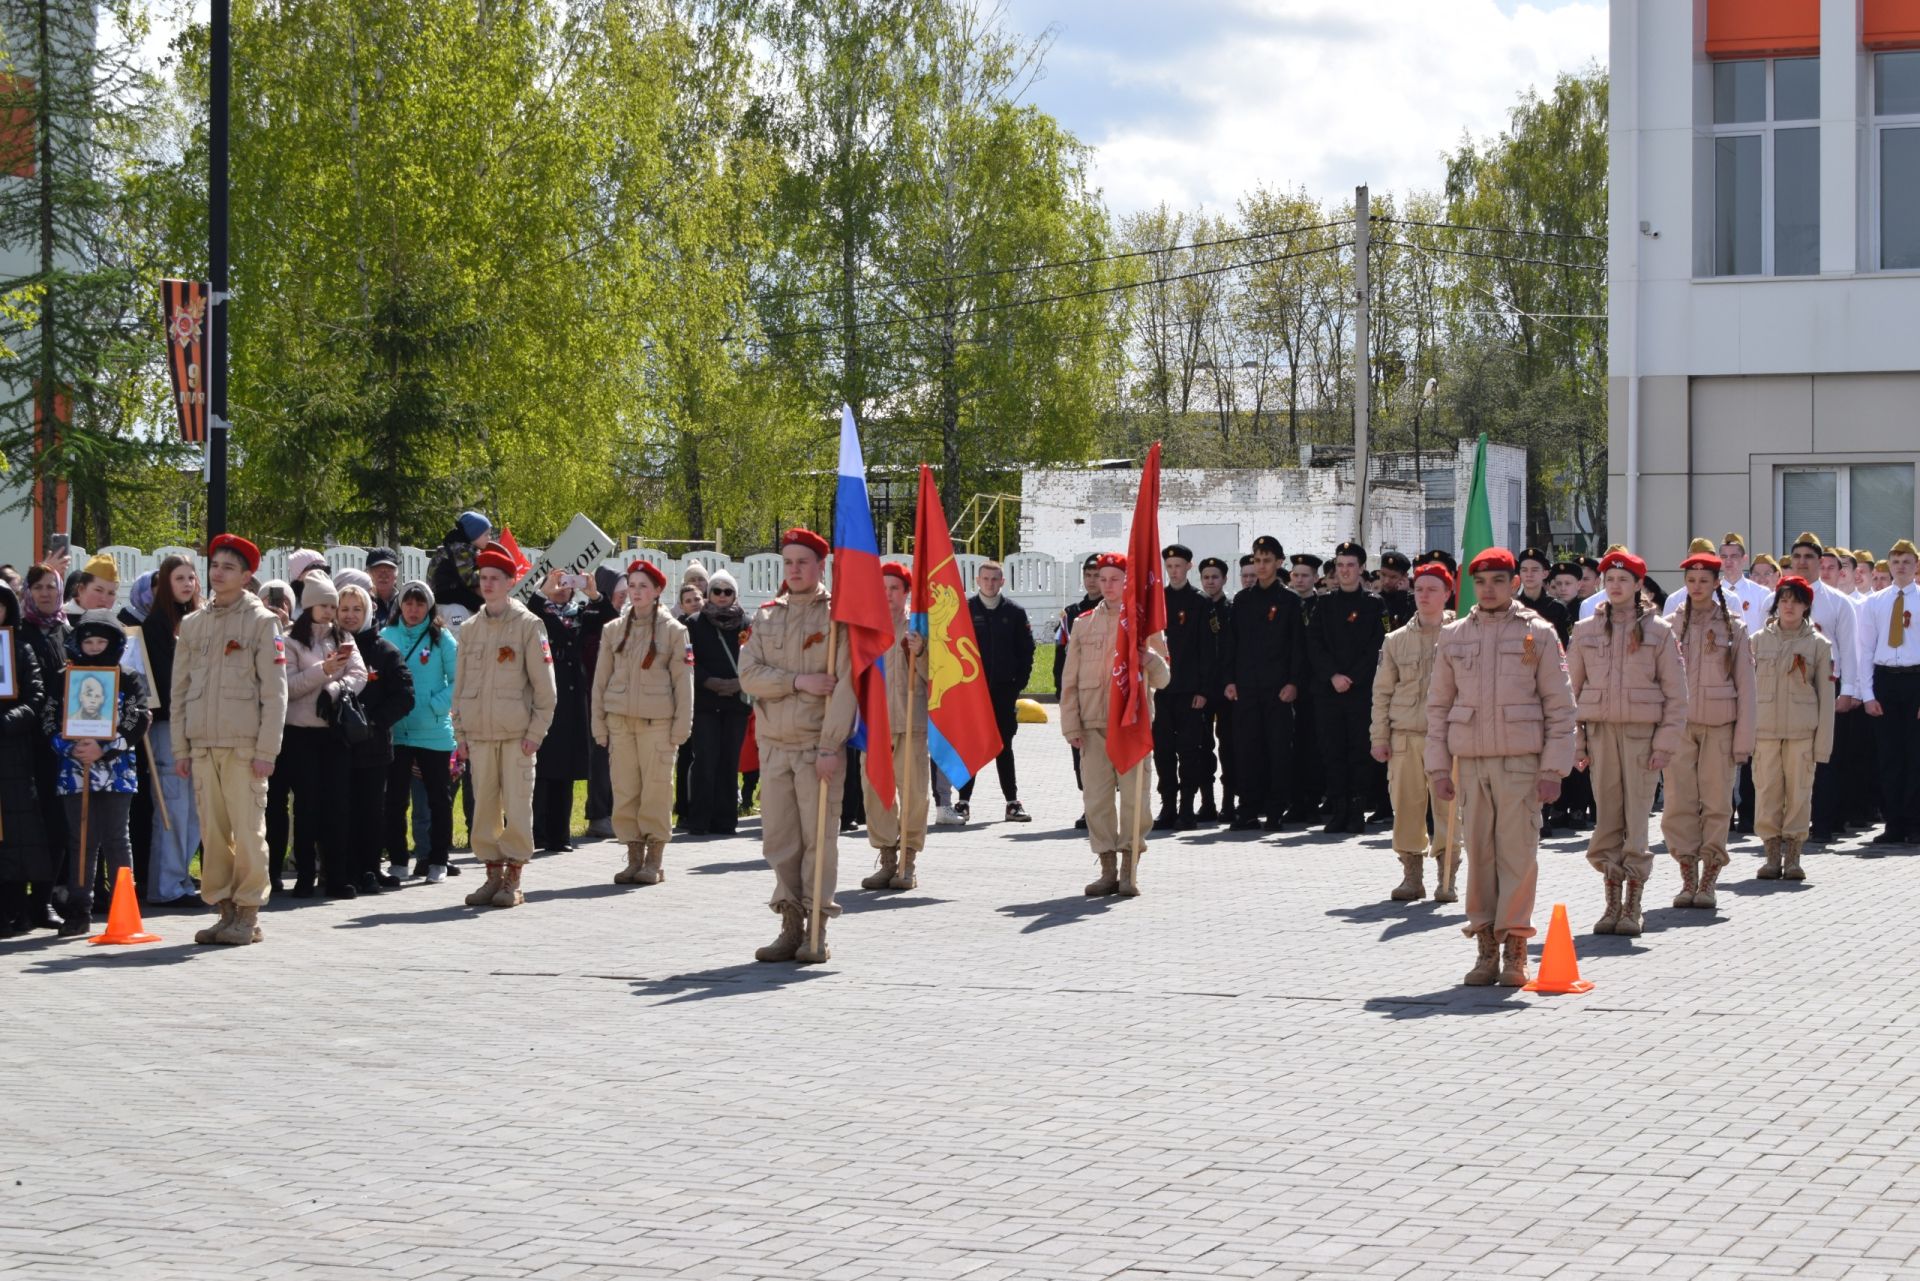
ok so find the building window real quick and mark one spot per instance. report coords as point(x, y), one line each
point(1896, 158)
point(1857, 505)
point(1766, 167)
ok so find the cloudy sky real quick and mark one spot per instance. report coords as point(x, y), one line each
point(1199, 101)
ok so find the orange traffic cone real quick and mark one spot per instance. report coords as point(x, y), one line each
point(123, 917)
point(1559, 971)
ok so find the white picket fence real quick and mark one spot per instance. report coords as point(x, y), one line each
point(1038, 583)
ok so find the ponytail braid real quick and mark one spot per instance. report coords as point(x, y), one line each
point(1720, 596)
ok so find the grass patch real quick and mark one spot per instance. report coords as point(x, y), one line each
point(1040, 684)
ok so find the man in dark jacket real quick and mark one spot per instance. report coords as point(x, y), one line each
point(1006, 656)
point(1216, 718)
point(383, 567)
point(1179, 722)
point(1395, 594)
point(1345, 630)
point(1269, 664)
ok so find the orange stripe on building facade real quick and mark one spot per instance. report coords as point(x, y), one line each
point(1763, 28)
point(1891, 24)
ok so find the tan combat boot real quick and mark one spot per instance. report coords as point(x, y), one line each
point(509, 895)
point(1770, 870)
point(1109, 879)
point(651, 872)
point(636, 857)
point(1513, 965)
point(1129, 885)
point(484, 895)
point(1446, 867)
point(1630, 921)
point(1489, 960)
point(1609, 918)
point(1709, 876)
point(1689, 882)
point(212, 933)
point(1792, 870)
point(244, 928)
point(882, 877)
point(787, 946)
point(808, 954)
point(906, 878)
point(1413, 883)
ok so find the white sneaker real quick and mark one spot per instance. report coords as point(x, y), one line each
point(436, 873)
point(947, 816)
point(397, 869)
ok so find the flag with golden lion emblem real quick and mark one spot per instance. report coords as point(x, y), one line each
point(961, 734)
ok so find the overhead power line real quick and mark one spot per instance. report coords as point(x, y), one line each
point(1476, 253)
point(1498, 231)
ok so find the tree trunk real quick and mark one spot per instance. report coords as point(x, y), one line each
point(47, 394)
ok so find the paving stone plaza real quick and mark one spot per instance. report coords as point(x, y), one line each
point(1260, 1068)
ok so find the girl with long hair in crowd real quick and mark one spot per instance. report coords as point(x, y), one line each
point(1718, 737)
point(643, 711)
point(176, 594)
point(1794, 694)
point(321, 659)
point(423, 738)
point(1631, 697)
point(387, 696)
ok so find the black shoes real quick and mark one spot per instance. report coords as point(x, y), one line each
point(1017, 813)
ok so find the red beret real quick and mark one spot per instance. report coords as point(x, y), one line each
point(895, 569)
point(239, 547)
point(1701, 560)
point(1493, 558)
point(801, 537)
point(494, 558)
point(651, 570)
point(1112, 560)
point(1434, 569)
point(1624, 560)
point(1797, 585)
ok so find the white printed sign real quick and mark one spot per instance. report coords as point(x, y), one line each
point(580, 547)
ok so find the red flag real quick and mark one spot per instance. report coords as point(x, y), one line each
point(1129, 705)
point(961, 734)
point(520, 562)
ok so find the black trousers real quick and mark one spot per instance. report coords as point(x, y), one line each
point(368, 787)
point(853, 798)
point(1180, 733)
point(322, 781)
point(1263, 738)
point(1897, 746)
point(1309, 783)
point(1853, 752)
point(279, 812)
point(552, 812)
point(599, 783)
point(713, 796)
point(1343, 722)
point(438, 786)
point(682, 769)
point(1219, 714)
point(107, 849)
point(1006, 715)
point(1743, 809)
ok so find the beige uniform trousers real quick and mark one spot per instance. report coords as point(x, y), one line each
point(1699, 806)
point(1622, 798)
point(1500, 812)
point(640, 759)
point(912, 788)
point(789, 801)
point(501, 776)
point(1782, 787)
point(233, 826)
point(1111, 831)
point(1410, 793)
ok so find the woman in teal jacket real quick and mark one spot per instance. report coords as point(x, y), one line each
point(423, 740)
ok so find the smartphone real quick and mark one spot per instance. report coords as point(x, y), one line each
point(57, 544)
point(577, 581)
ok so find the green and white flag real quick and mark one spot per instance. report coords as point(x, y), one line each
point(1476, 534)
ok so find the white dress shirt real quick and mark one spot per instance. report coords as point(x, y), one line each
point(1592, 603)
point(1835, 617)
point(1747, 600)
point(1876, 617)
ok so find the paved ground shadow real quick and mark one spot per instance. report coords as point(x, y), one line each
point(730, 980)
point(715, 869)
point(1058, 911)
point(445, 912)
point(1680, 918)
point(1060, 833)
point(87, 956)
point(1453, 1001)
point(1402, 919)
point(601, 889)
point(884, 901)
point(1759, 889)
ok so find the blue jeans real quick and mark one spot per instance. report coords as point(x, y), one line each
point(172, 850)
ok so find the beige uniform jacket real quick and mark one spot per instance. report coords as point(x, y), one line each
point(1499, 688)
point(1619, 682)
point(230, 680)
point(897, 659)
point(1400, 684)
point(789, 639)
point(1793, 679)
point(1086, 679)
point(650, 684)
point(1715, 696)
point(502, 678)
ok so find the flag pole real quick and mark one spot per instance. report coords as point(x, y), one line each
point(820, 834)
point(899, 797)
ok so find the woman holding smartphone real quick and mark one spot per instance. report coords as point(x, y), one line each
point(321, 659)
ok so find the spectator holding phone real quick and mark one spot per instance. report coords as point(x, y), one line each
point(571, 609)
point(321, 659)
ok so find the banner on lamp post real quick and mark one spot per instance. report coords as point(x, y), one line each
point(183, 308)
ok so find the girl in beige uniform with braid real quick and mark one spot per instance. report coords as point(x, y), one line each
point(642, 713)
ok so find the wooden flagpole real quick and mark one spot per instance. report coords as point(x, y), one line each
point(153, 768)
point(820, 834)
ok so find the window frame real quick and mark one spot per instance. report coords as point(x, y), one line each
point(1764, 130)
point(1877, 125)
point(1842, 495)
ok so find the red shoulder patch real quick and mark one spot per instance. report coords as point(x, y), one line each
point(279, 652)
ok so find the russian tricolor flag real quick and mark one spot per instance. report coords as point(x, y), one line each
point(860, 604)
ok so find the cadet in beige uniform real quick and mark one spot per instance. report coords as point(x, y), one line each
point(900, 833)
point(803, 714)
point(1085, 688)
point(502, 705)
point(1399, 737)
point(642, 713)
point(229, 701)
point(1632, 692)
point(1718, 738)
point(1793, 732)
point(1499, 707)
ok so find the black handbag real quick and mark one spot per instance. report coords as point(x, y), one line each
point(348, 718)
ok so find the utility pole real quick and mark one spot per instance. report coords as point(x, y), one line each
point(1362, 374)
point(219, 104)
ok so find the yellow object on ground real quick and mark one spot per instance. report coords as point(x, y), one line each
point(1029, 712)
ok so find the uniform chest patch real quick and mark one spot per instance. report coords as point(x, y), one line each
point(1354, 616)
point(233, 647)
point(813, 640)
point(505, 655)
point(1273, 612)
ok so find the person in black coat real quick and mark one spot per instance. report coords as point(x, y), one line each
point(1179, 716)
point(386, 699)
point(1217, 716)
point(563, 758)
point(1345, 630)
point(1269, 660)
point(1005, 636)
point(27, 856)
point(720, 710)
point(46, 628)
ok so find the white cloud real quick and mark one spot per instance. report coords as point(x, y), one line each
point(1323, 94)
